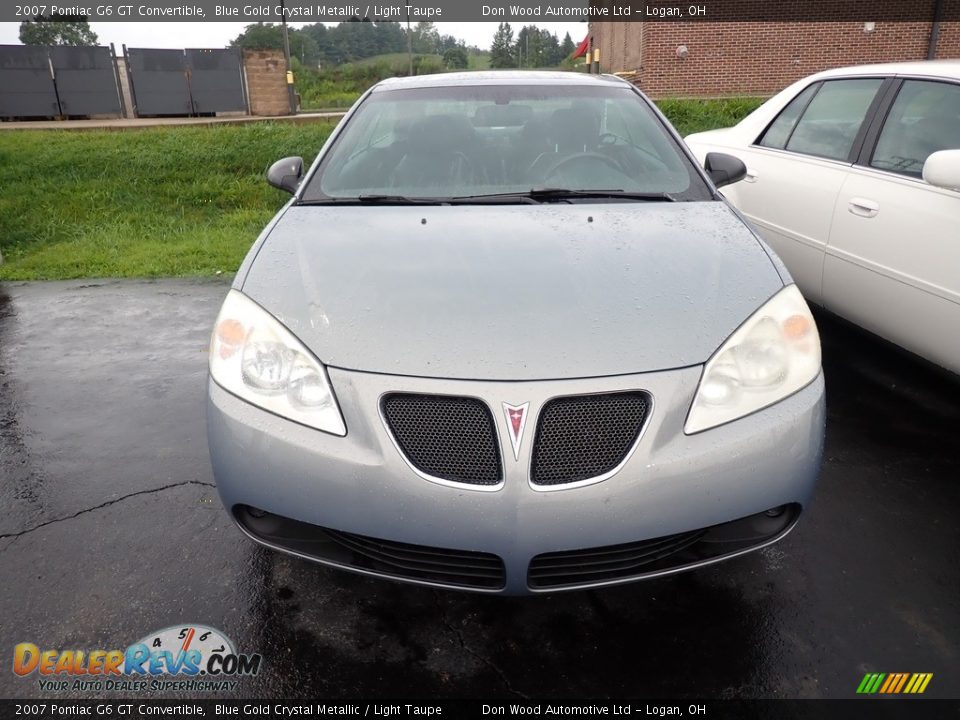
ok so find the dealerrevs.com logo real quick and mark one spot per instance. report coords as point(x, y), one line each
point(192, 658)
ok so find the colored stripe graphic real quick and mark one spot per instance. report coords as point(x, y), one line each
point(903, 680)
point(892, 679)
point(922, 681)
point(894, 683)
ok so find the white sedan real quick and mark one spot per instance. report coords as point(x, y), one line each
point(853, 176)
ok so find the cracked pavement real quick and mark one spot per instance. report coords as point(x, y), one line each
point(112, 529)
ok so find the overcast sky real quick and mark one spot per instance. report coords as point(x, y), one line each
point(219, 34)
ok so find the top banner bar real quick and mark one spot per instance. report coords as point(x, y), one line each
point(523, 12)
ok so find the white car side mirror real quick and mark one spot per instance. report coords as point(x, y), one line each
point(943, 169)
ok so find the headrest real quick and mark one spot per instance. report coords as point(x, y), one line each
point(502, 115)
point(443, 133)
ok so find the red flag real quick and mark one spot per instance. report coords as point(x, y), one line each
point(581, 48)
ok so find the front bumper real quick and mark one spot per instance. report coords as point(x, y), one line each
point(360, 487)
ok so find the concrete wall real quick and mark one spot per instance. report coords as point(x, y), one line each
point(125, 86)
point(266, 82)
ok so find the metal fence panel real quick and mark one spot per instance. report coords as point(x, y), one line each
point(159, 82)
point(216, 80)
point(26, 86)
point(86, 80)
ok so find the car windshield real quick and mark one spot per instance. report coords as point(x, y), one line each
point(499, 143)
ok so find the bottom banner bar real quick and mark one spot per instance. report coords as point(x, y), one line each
point(859, 709)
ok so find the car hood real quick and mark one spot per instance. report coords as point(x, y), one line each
point(512, 292)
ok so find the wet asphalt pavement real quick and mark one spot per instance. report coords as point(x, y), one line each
point(111, 528)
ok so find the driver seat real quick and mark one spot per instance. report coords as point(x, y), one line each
point(442, 153)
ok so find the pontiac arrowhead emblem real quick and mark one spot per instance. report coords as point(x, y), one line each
point(516, 421)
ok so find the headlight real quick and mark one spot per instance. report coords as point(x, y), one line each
point(256, 358)
point(772, 355)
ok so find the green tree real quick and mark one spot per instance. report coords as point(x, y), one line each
point(529, 47)
point(323, 39)
point(551, 54)
point(567, 46)
point(455, 58)
point(501, 51)
point(391, 38)
point(426, 38)
point(41, 30)
point(304, 48)
point(259, 36)
point(267, 36)
point(449, 41)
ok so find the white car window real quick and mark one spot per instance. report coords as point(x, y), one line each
point(777, 134)
point(830, 123)
point(924, 118)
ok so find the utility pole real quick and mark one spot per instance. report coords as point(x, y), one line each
point(291, 96)
point(409, 42)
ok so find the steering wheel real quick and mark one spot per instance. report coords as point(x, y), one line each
point(578, 157)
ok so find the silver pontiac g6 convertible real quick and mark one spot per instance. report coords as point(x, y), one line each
point(508, 337)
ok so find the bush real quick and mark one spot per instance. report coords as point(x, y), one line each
point(690, 116)
point(340, 86)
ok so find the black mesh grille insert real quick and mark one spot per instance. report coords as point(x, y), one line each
point(451, 438)
point(584, 436)
point(585, 567)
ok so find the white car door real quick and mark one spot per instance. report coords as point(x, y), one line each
point(893, 260)
point(795, 172)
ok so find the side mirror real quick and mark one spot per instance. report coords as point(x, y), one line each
point(286, 174)
point(943, 169)
point(724, 169)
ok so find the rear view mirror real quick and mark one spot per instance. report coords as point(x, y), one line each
point(943, 169)
point(286, 174)
point(724, 169)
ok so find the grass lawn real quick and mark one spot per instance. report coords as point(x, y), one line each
point(139, 203)
point(169, 201)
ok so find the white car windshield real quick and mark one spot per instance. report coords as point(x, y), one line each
point(480, 141)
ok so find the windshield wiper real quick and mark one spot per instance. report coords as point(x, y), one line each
point(533, 195)
point(541, 195)
point(564, 193)
point(398, 200)
point(374, 200)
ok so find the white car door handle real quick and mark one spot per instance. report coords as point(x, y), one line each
point(751, 175)
point(863, 207)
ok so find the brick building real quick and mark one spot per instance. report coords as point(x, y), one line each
point(718, 59)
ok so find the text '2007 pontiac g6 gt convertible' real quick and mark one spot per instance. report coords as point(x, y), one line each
point(507, 337)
